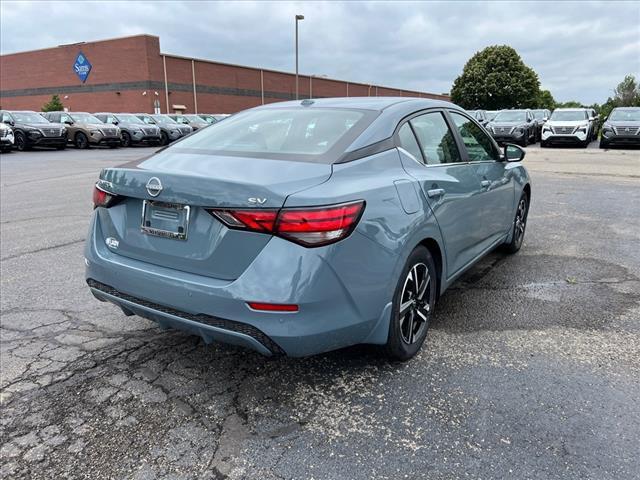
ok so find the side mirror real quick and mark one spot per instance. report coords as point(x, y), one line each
point(11, 122)
point(68, 122)
point(115, 122)
point(513, 153)
point(591, 119)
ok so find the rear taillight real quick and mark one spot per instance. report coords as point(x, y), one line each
point(103, 199)
point(308, 226)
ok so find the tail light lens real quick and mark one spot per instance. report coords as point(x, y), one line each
point(310, 227)
point(103, 199)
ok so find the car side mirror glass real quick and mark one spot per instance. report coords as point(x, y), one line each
point(513, 153)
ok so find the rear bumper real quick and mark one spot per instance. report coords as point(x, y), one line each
point(336, 306)
point(208, 327)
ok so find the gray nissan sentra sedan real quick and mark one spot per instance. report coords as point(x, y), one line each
point(301, 227)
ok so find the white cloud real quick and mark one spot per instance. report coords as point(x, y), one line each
point(580, 50)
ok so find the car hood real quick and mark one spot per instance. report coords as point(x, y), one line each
point(574, 123)
point(41, 125)
point(623, 123)
point(507, 124)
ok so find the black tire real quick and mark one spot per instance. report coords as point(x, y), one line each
point(164, 139)
point(603, 145)
point(543, 144)
point(586, 143)
point(21, 142)
point(525, 141)
point(519, 225)
point(407, 331)
point(126, 139)
point(81, 141)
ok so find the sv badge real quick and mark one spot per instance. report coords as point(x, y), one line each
point(256, 201)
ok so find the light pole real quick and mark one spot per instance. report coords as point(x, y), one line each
point(298, 18)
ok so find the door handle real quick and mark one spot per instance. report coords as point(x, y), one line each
point(435, 192)
point(486, 184)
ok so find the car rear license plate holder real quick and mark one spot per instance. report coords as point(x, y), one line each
point(168, 220)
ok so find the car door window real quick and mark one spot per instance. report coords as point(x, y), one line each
point(407, 140)
point(479, 146)
point(436, 139)
point(6, 118)
point(65, 118)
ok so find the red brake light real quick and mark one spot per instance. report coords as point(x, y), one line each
point(102, 198)
point(273, 307)
point(310, 227)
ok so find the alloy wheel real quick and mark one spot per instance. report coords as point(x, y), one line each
point(21, 142)
point(521, 220)
point(414, 303)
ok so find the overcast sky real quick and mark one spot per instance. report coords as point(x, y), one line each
point(580, 50)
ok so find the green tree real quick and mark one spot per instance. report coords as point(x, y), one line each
point(546, 100)
point(627, 93)
point(53, 105)
point(496, 78)
point(569, 104)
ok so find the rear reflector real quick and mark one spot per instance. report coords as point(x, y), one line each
point(273, 307)
point(308, 226)
point(103, 199)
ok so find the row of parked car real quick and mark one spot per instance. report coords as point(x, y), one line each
point(563, 126)
point(24, 130)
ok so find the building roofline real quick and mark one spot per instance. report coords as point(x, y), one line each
point(78, 44)
point(237, 65)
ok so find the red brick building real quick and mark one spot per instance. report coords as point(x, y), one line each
point(130, 74)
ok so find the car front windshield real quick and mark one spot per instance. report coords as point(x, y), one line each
point(491, 114)
point(279, 133)
point(147, 119)
point(84, 118)
point(127, 118)
point(511, 116)
point(29, 117)
point(163, 119)
point(194, 118)
point(569, 115)
point(625, 115)
point(208, 118)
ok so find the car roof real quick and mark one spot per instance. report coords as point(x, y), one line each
point(626, 108)
point(366, 103)
point(571, 109)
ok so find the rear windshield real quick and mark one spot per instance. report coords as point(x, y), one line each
point(569, 116)
point(625, 115)
point(286, 133)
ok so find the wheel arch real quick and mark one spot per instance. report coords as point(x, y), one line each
point(433, 246)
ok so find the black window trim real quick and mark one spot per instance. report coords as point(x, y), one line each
point(422, 161)
point(461, 141)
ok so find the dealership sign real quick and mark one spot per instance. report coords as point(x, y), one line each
point(82, 67)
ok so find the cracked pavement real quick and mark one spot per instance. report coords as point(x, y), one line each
point(530, 369)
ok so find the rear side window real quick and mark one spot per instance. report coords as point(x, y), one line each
point(286, 133)
point(479, 146)
point(436, 140)
point(408, 141)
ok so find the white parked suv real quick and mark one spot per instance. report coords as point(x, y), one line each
point(6, 138)
point(569, 126)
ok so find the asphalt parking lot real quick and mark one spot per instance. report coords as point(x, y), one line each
point(530, 369)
